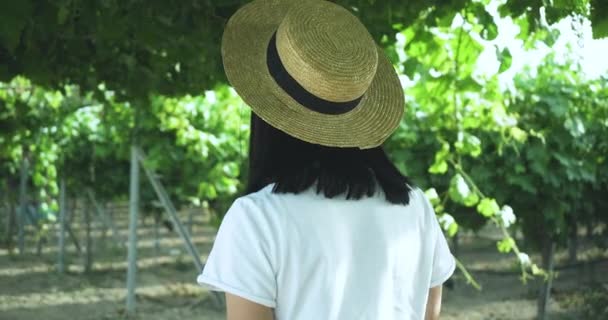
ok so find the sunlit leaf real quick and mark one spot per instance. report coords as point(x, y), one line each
point(488, 207)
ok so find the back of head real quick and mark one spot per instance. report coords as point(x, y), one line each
point(294, 165)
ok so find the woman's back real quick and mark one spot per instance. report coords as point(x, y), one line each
point(324, 98)
point(311, 257)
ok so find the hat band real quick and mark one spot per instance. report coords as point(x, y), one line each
point(296, 91)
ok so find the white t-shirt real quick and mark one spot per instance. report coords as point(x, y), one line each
point(310, 257)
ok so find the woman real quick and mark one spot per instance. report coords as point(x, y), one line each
point(328, 228)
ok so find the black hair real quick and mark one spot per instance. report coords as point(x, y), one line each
point(294, 166)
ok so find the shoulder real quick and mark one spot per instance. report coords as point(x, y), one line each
point(418, 200)
point(420, 203)
point(421, 197)
point(259, 196)
point(256, 218)
point(274, 204)
point(259, 201)
point(256, 210)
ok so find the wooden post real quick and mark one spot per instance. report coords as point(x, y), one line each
point(548, 259)
point(589, 228)
point(62, 210)
point(573, 242)
point(190, 220)
point(72, 235)
point(70, 213)
point(181, 230)
point(22, 204)
point(10, 221)
point(88, 258)
point(156, 235)
point(132, 248)
point(11, 217)
point(104, 218)
point(168, 205)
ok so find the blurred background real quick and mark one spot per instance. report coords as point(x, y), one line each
point(122, 145)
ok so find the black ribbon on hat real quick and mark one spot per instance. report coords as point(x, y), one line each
point(296, 91)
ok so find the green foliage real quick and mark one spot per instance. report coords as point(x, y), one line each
point(468, 144)
point(29, 121)
point(599, 19)
point(131, 46)
point(139, 47)
point(505, 58)
point(472, 135)
point(109, 73)
point(450, 109)
point(196, 144)
point(440, 166)
point(461, 193)
point(210, 133)
point(505, 245)
point(448, 224)
point(488, 207)
point(566, 117)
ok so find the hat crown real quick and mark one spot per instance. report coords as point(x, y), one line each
point(327, 50)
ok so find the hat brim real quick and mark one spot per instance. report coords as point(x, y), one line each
point(244, 46)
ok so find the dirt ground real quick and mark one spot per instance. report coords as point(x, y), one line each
point(31, 288)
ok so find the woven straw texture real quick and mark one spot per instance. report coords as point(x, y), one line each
point(331, 54)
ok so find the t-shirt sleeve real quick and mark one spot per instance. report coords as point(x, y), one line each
point(241, 259)
point(444, 262)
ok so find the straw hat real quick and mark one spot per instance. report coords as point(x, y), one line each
point(312, 70)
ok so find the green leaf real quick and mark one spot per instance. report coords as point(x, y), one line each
point(524, 27)
point(54, 99)
point(505, 59)
point(471, 200)
point(54, 206)
point(54, 188)
point(551, 37)
point(518, 134)
point(468, 144)
point(459, 189)
point(575, 126)
point(207, 191)
point(432, 196)
point(506, 245)
point(440, 166)
point(490, 31)
point(488, 207)
point(466, 49)
point(38, 179)
point(558, 105)
point(448, 224)
point(460, 192)
point(410, 67)
point(452, 229)
point(447, 19)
